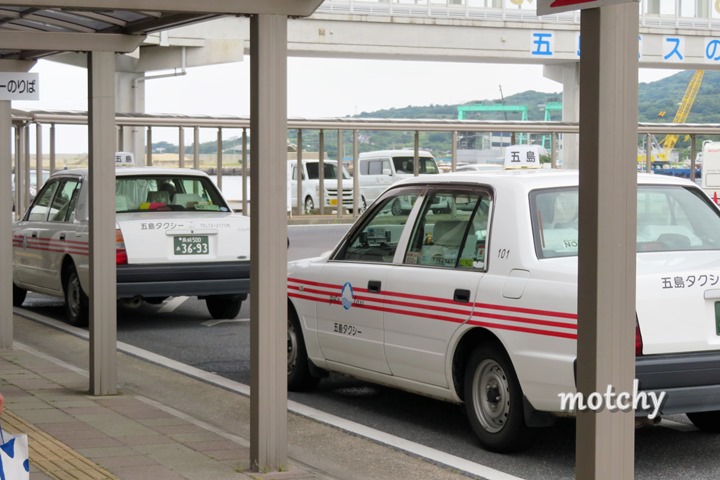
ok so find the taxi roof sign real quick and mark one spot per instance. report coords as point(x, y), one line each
point(550, 7)
point(124, 159)
point(522, 156)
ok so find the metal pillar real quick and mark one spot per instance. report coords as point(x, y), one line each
point(244, 173)
point(340, 155)
point(453, 161)
point(196, 148)
point(356, 177)
point(268, 272)
point(103, 290)
point(19, 170)
point(219, 163)
point(416, 156)
point(25, 179)
point(149, 147)
point(321, 171)
point(38, 157)
point(53, 156)
point(121, 139)
point(608, 212)
point(181, 147)
point(6, 306)
point(693, 157)
point(299, 171)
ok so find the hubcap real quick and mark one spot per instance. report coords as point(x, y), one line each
point(491, 392)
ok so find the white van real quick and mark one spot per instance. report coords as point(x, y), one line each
point(380, 169)
point(710, 181)
point(311, 184)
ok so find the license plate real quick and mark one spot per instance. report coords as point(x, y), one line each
point(333, 201)
point(191, 245)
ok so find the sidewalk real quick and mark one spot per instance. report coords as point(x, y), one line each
point(163, 425)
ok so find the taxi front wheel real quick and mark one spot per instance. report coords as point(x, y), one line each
point(494, 400)
point(299, 377)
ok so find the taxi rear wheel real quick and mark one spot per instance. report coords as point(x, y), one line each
point(299, 377)
point(706, 421)
point(76, 302)
point(19, 295)
point(223, 307)
point(494, 400)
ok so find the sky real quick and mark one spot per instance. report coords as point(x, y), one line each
point(317, 88)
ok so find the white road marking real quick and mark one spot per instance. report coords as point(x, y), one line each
point(212, 323)
point(171, 305)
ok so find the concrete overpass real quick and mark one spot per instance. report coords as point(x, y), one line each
point(684, 35)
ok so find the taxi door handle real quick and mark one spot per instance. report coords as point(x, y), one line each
point(34, 235)
point(461, 295)
point(374, 286)
point(62, 236)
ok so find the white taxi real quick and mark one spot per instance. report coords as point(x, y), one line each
point(478, 305)
point(175, 235)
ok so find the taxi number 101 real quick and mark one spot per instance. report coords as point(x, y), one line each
point(191, 245)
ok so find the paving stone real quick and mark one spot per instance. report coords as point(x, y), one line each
point(52, 457)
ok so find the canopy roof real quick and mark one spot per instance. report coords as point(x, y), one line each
point(37, 28)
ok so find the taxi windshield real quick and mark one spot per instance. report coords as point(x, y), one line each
point(147, 193)
point(669, 218)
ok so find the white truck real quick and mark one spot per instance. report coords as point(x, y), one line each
point(311, 185)
point(379, 169)
point(711, 169)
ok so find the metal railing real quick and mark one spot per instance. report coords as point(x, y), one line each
point(26, 122)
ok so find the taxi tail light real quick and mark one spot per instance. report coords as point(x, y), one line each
point(638, 339)
point(120, 252)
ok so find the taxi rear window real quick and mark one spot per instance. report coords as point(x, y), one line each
point(669, 218)
point(149, 193)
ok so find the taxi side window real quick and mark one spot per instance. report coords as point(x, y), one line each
point(377, 239)
point(39, 210)
point(63, 205)
point(555, 218)
point(451, 231)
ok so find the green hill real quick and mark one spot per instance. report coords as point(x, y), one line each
point(653, 98)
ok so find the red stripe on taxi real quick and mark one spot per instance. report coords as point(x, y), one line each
point(435, 312)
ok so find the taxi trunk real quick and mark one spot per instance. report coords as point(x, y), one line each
point(185, 237)
point(678, 301)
